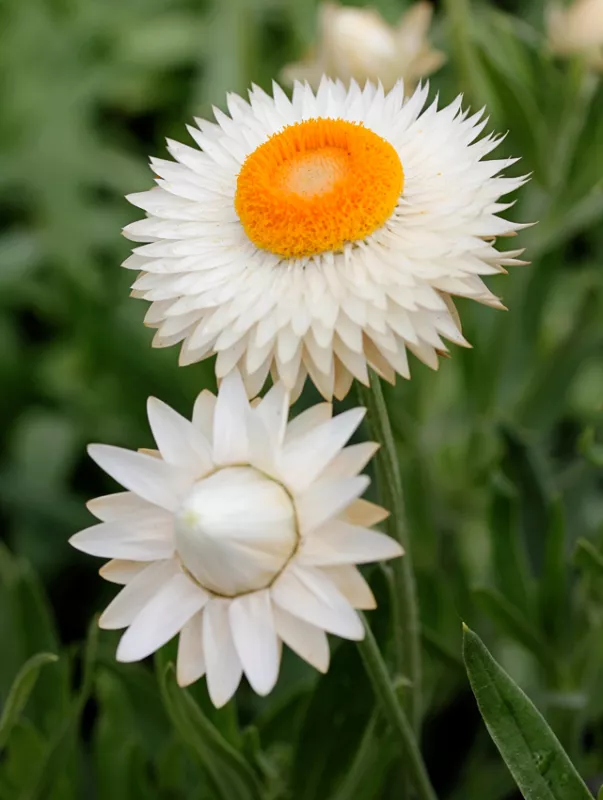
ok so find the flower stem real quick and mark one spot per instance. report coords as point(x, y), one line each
point(394, 714)
point(407, 633)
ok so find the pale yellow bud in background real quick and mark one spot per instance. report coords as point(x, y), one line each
point(358, 43)
point(577, 30)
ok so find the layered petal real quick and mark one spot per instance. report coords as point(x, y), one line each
point(255, 639)
point(222, 663)
point(161, 618)
point(330, 310)
point(308, 594)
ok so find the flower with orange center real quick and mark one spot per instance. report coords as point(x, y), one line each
point(316, 186)
point(321, 235)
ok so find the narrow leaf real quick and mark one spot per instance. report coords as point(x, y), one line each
point(440, 651)
point(553, 585)
point(530, 749)
point(229, 772)
point(367, 772)
point(50, 769)
point(589, 558)
point(508, 548)
point(514, 623)
point(20, 692)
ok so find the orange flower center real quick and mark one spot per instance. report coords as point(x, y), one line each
point(317, 185)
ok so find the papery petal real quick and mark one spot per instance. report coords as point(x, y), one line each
point(190, 661)
point(308, 641)
point(222, 663)
point(179, 441)
point(125, 606)
point(310, 595)
point(162, 618)
point(255, 640)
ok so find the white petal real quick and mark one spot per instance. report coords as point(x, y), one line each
point(148, 477)
point(352, 585)
point(310, 595)
point(125, 606)
point(273, 410)
point(255, 640)
point(327, 499)
point(140, 537)
point(178, 440)
point(121, 571)
point(162, 618)
point(363, 512)
point(190, 662)
point(203, 413)
point(350, 461)
point(308, 641)
point(306, 457)
point(338, 542)
point(230, 422)
point(222, 663)
point(114, 506)
point(308, 420)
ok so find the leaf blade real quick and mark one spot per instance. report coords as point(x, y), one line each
point(231, 776)
point(530, 749)
point(20, 691)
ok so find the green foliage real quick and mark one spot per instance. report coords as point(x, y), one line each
point(20, 691)
point(530, 749)
point(500, 451)
point(229, 776)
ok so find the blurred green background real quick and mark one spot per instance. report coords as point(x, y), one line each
point(501, 450)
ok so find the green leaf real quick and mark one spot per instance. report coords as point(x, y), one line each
point(530, 749)
point(553, 583)
point(118, 758)
point(367, 772)
point(230, 774)
point(50, 770)
point(333, 726)
point(514, 623)
point(26, 746)
point(589, 558)
point(590, 448)
point(20, 691)
point(440, 651)
point(508, 549)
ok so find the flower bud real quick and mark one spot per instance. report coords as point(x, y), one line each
point(235, 531)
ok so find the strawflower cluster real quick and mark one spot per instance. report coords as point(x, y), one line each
point(320, 236)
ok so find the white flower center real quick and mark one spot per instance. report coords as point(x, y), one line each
point(235, 531)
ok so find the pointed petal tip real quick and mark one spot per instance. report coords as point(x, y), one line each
point(125, 656)
point(217, 700)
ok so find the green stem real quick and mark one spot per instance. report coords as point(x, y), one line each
point(394, 714)
point(407, 630)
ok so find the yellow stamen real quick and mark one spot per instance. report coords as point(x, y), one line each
point(317, 185)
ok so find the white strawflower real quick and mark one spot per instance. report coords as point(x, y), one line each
point(321, 235)
point(577, 29)
point(357, 43)
point(240, 533)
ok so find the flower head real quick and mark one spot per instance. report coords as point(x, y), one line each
point(357, 43)
point(321, 235)
point(577, 29)
point(240, 533)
